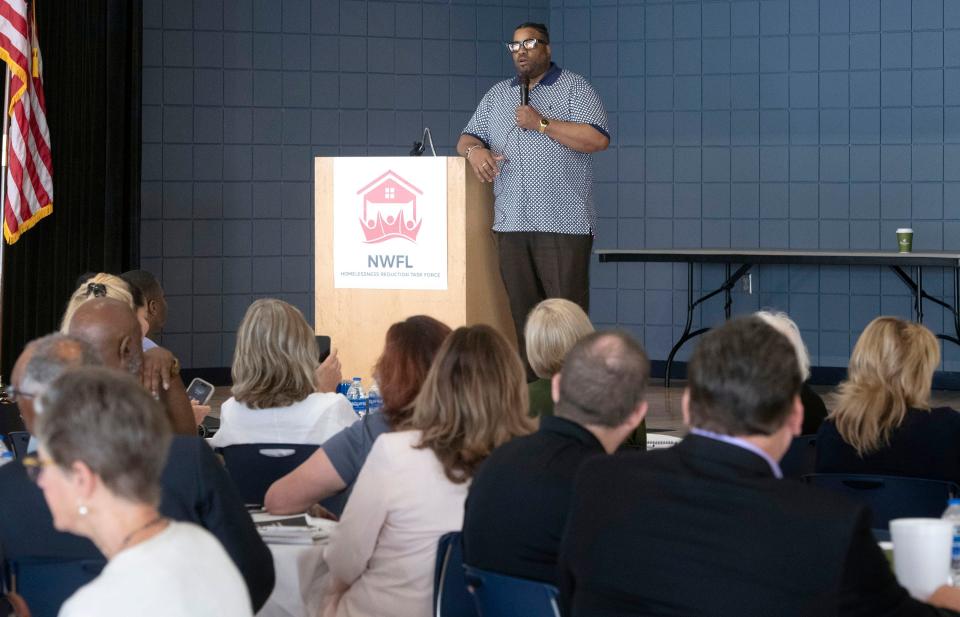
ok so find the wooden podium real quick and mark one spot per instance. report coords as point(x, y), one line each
point(357, 319)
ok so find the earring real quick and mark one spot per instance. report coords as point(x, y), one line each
point(82, 509)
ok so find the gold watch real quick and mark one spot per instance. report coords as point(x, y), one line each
point(544, 123)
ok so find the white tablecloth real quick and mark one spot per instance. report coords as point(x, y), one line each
point(300, 575)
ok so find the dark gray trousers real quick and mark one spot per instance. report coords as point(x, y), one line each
point(536, 265)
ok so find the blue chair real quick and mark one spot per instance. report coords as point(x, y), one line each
point(499, 595)
point(45, 584)
point(254, 467)
point(890, 497)
point(19, 440)
point(450, 595)
point(801, 459)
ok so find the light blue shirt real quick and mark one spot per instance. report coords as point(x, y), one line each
point(741, 443)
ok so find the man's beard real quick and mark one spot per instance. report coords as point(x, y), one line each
point(533, 69)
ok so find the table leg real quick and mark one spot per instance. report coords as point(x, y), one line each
point(686, 327)
point(692, 304)
point(919, 294)
point(727, 299)
point(955, 309)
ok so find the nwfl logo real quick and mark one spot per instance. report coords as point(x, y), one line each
point(389, 209)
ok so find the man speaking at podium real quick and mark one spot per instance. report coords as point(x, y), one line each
point(532, 136)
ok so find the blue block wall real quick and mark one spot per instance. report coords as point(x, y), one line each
point(774, 124)
point(736, 123)
point(239, 96)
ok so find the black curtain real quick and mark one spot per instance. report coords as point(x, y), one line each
point(91, 70)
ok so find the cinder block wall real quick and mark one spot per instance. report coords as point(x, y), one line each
point(736, 123)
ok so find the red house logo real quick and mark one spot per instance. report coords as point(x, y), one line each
point(389, 209)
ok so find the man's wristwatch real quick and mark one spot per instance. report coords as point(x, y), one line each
point(544, 123)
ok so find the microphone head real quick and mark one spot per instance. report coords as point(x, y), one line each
point(417, 148)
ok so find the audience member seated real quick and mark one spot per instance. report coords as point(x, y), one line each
point(112, 328)
point(814, 409)
point(553, 327)
point(408, 351)
point(412, 488)
point(103, 444)
point(195, 486)
point(281, 393)
point(152, 311)
point(518, 502)
point(707, 527)
point(99, 285)
point(882, 422)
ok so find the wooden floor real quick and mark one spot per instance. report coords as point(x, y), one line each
point(664, 415)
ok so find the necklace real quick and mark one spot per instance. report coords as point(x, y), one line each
point(159, 519)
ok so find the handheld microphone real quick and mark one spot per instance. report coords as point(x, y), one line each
point(525, 91)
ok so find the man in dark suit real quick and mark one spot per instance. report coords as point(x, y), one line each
point(707, 527)
point(518, 502)
point(195, 486)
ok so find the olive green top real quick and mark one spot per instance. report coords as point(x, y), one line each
point(541, 404)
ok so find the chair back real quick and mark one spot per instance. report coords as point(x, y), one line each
point(254, 467)
point(45, 584)
point(10, 420)
point(450, 595)
point(890, 497)
point(801, 458)
point(19, 440)
point(499, 595)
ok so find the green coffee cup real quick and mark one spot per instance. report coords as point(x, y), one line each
point(904, 239)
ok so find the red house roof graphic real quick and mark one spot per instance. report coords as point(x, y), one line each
point(389, 209)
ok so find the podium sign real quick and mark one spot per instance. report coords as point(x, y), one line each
point(379, 218)
point(390, 223)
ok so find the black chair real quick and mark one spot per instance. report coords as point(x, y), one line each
point(10, 420)
point(45, 584)
point(801, 459)
point(254, 467)
point(499, 595)
point(890, 497)
point(19, 440)
point(450, 595)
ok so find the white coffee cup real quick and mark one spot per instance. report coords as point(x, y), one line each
point(921, 554)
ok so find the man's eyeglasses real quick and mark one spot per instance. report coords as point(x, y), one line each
point(514, 46)
point(33, 465)
point(14, 393)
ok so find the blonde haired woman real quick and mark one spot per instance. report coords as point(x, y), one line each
point(553, 327)
point(281, 394)
point(814, 410)
point(413, 485)
point(99, 285)
point(160, 370)
point(882, 422)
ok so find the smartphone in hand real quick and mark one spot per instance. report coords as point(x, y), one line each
point(200, 390)
point(323, 343)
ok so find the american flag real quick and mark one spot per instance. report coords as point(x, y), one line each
point(29, 183)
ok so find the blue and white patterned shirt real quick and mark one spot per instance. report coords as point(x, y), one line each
point(543, 185)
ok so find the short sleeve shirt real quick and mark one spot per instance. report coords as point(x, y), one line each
point(348, 449)
point(543, 185)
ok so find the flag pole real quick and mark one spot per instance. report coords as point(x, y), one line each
point(4, 399)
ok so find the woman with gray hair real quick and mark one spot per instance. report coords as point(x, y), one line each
point(814, 409)
point(103, 444)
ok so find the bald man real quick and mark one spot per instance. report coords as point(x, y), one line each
point(112, 328)
point(57, 353)
point(195, 486)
